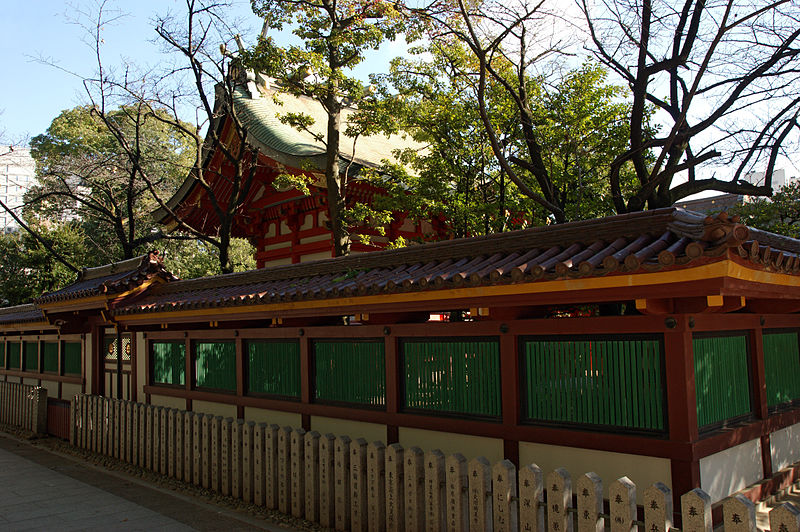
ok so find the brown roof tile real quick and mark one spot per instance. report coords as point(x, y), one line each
point(626, 243)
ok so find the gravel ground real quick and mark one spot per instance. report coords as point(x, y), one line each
point(164, 482)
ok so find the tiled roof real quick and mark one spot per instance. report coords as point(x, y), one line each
point(646, 241)
point(110, 279)
point(20, 314)
point(261, 112)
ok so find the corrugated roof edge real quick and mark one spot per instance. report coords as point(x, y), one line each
point(682, 222)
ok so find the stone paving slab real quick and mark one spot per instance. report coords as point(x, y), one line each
point(35, 497)
point(42, 490)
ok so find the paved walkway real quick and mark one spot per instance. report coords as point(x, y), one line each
point(41, 490)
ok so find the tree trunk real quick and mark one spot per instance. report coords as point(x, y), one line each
point(333, 178)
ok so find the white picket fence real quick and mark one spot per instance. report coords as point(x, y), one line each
point(350, 484)
point(23, 406)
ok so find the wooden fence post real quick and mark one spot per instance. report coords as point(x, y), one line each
point(559, 500)
point(247, 461)
point(284, 469)
point(342, 487)
point(163, 455)
point(738, 514)
point(457, 506)
point(658, 508)
point(589, 489)
point(622, 505)
point(395, 507)
point(784, 518)
point(312, 476)
point(696, 511)
point(297, 450)
point(414, 490)
point(197, 449)
point(504, 495)
point(271, 466)
point(259, 475)
point(480, 495)
point(358, 485)
point(223, 485)
point(376, 489)
point(237, 434)
point(434, 491)
point(531, 499)
point(327, 481)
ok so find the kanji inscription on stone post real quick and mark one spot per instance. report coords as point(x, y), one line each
point(696, 511)
point(247, 461)
point(327, 492)
point(658, 508)
point(298, 472)
point(171, 450)
point(312, 481)
point(376, 491)
point(455, 472)
point(622, 505)
point(531, 497)
point(148, 437)
point(219, 454)
point(130, 439)
point(179, 444)
point(119, 428)
point(271, 466)
point(559, 499)
point(144, 434)
point(197, 448)
point(341, 489)
point(163, 451)
point(434, 490)
point(784, 518)
point(395, 507)
point(205, 450)
point(589, 491)
point(284, 467)
point(259, 488)
point(738, 514)
point(358, 485)
point(188, 446)
point(479, 474)
point(237, 432)
point(504, 490)
point(414, 492)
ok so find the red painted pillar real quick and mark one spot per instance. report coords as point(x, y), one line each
point(760, 394)
point(681, 403)
point(509, 386)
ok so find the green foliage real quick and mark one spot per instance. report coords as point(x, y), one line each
point(580, 126)
point(28, 270)
point(86, 175)
point(334, 36)
point(780, 214)
point(189, 259)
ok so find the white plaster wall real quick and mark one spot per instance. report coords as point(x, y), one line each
point(140, 361)
point(315, 256)
point(69, 390)
point(87, 363)
point(449, 443)
point(169, 402)
point(344, 427)
point(283, 419)
point(215, 409)
point(785, 447)
point(731, 470)
point(642, 470)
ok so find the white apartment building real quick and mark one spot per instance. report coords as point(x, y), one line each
point(17, 175)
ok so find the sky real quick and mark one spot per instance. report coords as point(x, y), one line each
point(38, 32)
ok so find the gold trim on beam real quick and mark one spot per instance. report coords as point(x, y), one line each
point(717, 270)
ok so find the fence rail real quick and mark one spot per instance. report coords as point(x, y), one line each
point(24, 406)
point(355, 485)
